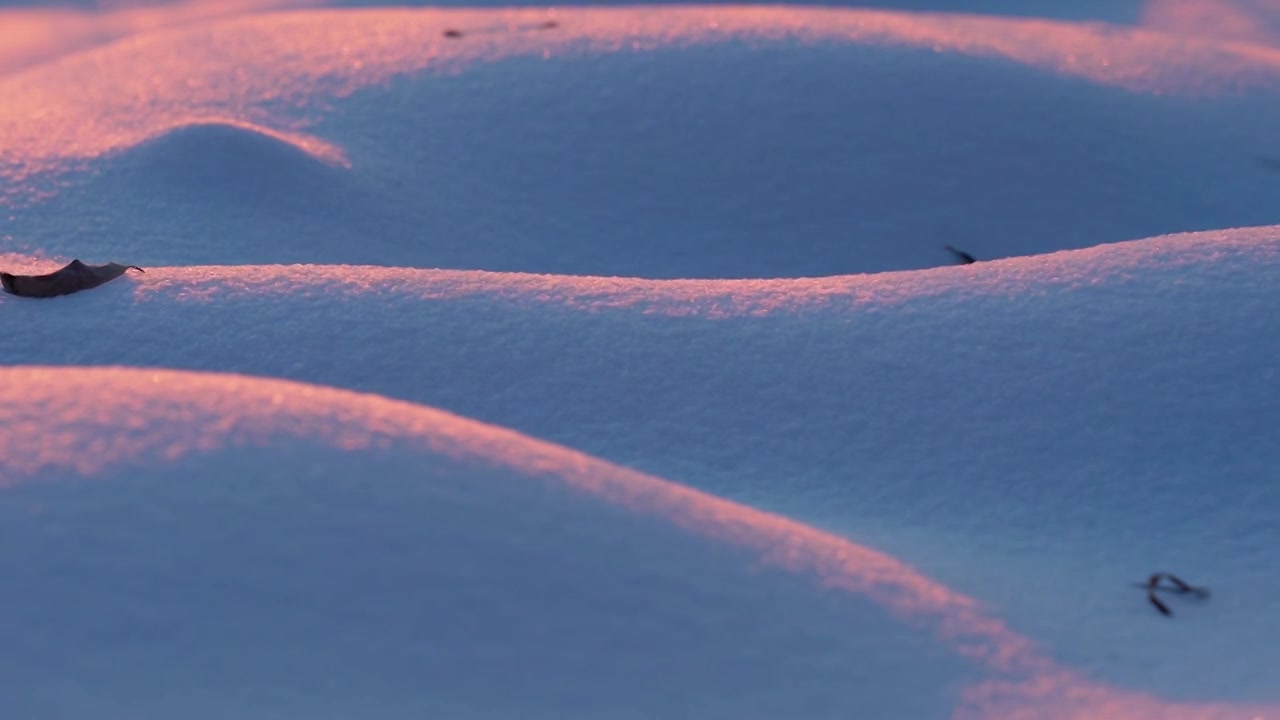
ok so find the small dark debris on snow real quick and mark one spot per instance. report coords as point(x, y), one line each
point(962, 257)
point(1176, 585)
point(452, 33)
point(76, 276)
point(548, 25)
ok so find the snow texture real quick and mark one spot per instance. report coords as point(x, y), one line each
point(615, 367)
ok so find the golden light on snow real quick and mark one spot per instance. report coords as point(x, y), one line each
point(274, 70)
point(1248, 21)
point(87, 420)
point(32, 35)
point(78, 86)
point(1011, 278)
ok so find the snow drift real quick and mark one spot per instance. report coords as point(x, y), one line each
point(1102, 413)
point(273, 549)
point(925, 493)
point(792, 142)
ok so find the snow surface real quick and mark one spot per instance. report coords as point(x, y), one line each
point(918, 493)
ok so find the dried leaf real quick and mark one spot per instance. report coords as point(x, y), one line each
point(76, 276)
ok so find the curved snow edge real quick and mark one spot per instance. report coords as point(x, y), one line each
point(1236, 251)
point(86, 419)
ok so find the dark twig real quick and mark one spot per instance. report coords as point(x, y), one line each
point(962, 257)
point(1177, 585)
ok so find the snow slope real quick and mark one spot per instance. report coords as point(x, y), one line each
point(875, 141)
point(227, 552)
point(1015, 414)
point(253, 569)
point(1017, 440)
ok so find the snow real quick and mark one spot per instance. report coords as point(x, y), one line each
point(617, 369)
point(557, 165)
point(244, 564)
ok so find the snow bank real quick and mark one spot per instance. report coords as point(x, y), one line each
point(205, 545)
point(1032, 434)
point(1037, 432)
point(793, 142)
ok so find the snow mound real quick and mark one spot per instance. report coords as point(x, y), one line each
point(271, 549)
point(262, 185)
point(227, 168)
point(997, 425)
point(218, 156)
point(649, 143)
point(266, 549)
point(1033, 435)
